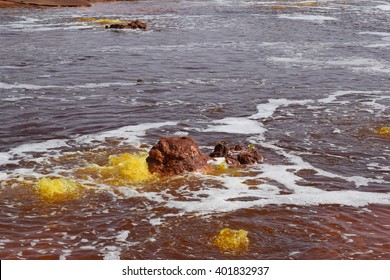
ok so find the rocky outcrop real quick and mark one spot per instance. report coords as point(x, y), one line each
point(134, 24)
point(49, 3)
point(175, 156)
point(237, 155)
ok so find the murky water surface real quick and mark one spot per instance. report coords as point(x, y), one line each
point(306, 82)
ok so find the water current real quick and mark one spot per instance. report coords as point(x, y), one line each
point(306, 82)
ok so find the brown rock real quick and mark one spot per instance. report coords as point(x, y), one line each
point(134, 24)
point(220, 150)
point(175, 156)
point(52, 3)
point(250, 157)
point(237, 155)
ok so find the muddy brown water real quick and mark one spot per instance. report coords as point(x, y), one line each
point(306, 83)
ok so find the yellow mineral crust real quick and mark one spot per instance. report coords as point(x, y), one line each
point(57, 188)
point(102, 21)
point(232, 240)
point(307, 4)
point(385, 131)
point(121, 170)
point(109, 21)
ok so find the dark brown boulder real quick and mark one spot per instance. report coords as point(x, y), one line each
point(175, 156)
point(250, 157)
point(220, 150)
point(134, 24)
point(237, 154)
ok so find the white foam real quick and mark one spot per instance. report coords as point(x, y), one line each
point(131, 134)
point(80, 86)
point(361, 64)
point(383, 7)
point(87, 247)
point(111, 253)
point(21, 86)
point(355, 64)
point(266, 110)
point(20, 151)
point(155, 221)
point(65, 254)
point(236, 126)
point(317, 18)
point(122, 236)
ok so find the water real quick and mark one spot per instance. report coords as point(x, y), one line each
point(308, 83)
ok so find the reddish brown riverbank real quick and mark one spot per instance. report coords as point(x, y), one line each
point(47, 3)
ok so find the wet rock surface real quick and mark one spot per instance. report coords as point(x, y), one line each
point(175, 156)
point(45, 3)
point(237, 155)
point(134, 24)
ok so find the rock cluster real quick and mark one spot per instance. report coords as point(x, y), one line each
point(237, 154)
point(134, 24)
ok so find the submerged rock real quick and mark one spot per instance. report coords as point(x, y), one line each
point(384, 131)
point(175, 156)
point(232, 240)
point(134, 24)
point(53, 189)
point(237, 155)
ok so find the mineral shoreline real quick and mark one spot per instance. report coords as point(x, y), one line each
point(48, 3)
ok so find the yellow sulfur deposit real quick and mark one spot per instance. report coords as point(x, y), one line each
point(109, 21)
point(57, 188)
point(121, 170)
point(102, 21)
point(307, 4)
point(385, 131)
point(223, 166)
point(86, 19)
point(232, 240)
point(279, 7)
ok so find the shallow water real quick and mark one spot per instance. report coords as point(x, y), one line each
point(307, 83)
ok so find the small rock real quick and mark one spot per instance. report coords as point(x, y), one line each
point(250, 157)
point(237, 155)
point(134, 24)
point(220, 150)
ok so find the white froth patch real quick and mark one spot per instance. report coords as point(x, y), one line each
point(355, 64)
point(111, 253)
point(81, 86)
point(65, 254)
point(361, 64)
point(316, 18)
point(236, 126)
point(122, 236)
point(266, 110)
point(383, 7)
point(131, 133)
point(3, 176)
point(155, 221)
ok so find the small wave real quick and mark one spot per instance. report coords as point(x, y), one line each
point(81, 86)
point(236, 125)
point(383, 7)
point(355, 64)
point(317, 18)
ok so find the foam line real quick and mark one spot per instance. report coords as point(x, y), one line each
point(307, 17)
